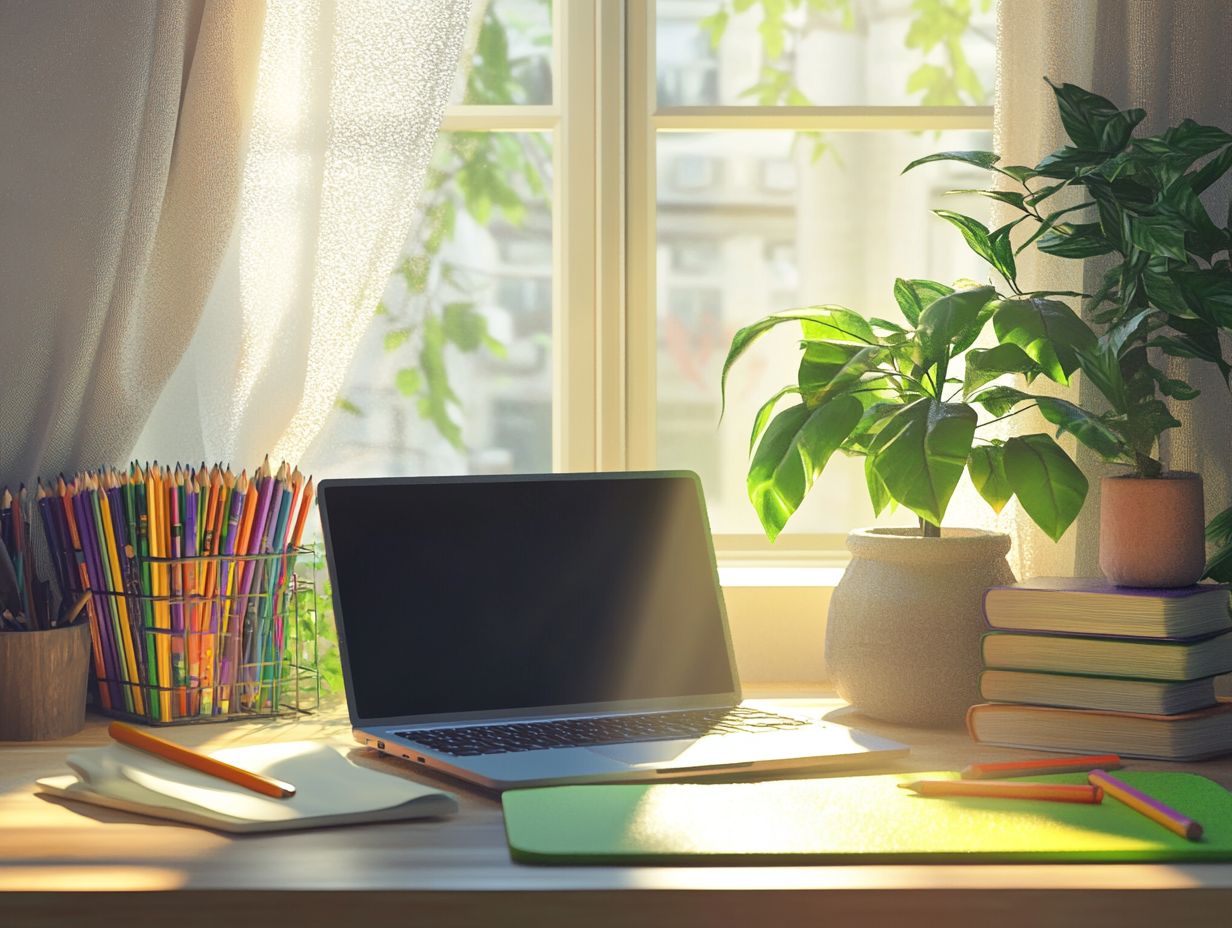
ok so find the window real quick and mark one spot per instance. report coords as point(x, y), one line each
point(618, 187)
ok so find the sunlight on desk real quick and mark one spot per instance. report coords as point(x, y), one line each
point(60, 878)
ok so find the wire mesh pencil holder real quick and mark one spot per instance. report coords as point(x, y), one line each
point(183, 655)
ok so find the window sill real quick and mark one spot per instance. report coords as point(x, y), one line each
point(777, 617)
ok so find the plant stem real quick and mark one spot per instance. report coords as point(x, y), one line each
point(928, 530)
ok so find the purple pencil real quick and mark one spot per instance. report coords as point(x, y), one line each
point(120, 695)
point(252, 568)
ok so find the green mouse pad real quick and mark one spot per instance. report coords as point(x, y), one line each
point(852, 820)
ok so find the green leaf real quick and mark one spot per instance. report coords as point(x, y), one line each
point(1185, 143)
point(974, 231)
point(1048, 484)
point(1003, 196)
point(1050, 221)
point(986, 465)
point(408, 381)
point(463, 326)
point(824, 322)
point(986, 364)
point(1092, 121)
point(1087, 428)
point(1219, 529)
point(913, 295)
point(980, 159)
point(1219, 566)
point(1075, 240)
point(715, 26)
point(348, 406)
point(1070, 163)
point(1177, 389)
point(1156, 235)
point(952, 319)
point(1047, 330)
point(1210, 172)
point(1102, 367)
point(921, 453)
point(792, 453)
point(395, 339)
point(878, 495)
point(767, 409)
point(1000, 400)
point(829, 368)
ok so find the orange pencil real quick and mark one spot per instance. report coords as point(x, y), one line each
point(1029, 768)
point(143, 741)
point(1007, 789)
point(303, 515)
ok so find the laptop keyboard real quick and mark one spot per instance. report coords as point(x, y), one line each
point(469, 740)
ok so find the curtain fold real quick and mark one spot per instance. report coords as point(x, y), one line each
point(1174, 60)
point(349, 99)
point(200, 203)
point(120, 161)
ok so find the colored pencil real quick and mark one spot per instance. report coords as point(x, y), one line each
point(1146, 805)
point(1028, 768)
point(202, 763)
point(101, 661)
point(1007, 789)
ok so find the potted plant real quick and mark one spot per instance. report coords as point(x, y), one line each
point(1166, 290)
point(902, 641)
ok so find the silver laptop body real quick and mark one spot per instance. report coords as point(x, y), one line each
point(492, 607)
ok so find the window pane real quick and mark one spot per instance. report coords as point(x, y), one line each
point(825, 52)
point(749, 223)
point(455, 373)
point(510, 59)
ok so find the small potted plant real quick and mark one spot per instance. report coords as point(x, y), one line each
point(1167, 290)
point(902, 640)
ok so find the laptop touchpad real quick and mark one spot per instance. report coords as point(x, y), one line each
point(646, 753)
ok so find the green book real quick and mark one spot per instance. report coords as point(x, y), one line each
point(854, 820)
point(1143, 658)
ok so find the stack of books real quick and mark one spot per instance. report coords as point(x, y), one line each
point(1080, 665)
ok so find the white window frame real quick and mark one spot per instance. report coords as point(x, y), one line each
point(605, 119)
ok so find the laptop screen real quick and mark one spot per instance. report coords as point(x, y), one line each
point(487, 594)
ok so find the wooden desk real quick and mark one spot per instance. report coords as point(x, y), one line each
point(74, 864)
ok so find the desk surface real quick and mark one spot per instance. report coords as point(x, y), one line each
point(458, 871)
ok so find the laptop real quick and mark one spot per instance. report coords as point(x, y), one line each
point(552, 628)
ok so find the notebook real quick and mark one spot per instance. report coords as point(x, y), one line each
point(330, 790)
point(854, 820)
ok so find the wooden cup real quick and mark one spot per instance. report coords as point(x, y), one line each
point(43, 679)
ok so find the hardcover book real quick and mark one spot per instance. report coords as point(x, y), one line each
point(1190, 736)
point(1082, 691)
point(1143, 658)
point(1093, 606)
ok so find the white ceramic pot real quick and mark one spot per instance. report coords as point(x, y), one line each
point(1152, 530)
point(903, 634)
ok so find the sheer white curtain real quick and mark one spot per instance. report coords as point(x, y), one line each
point(1174, 60)
point(200, 201)
point(349, 99)
point(121, 136)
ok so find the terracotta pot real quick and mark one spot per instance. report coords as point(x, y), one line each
point(1151, 530)
point(903, 635)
